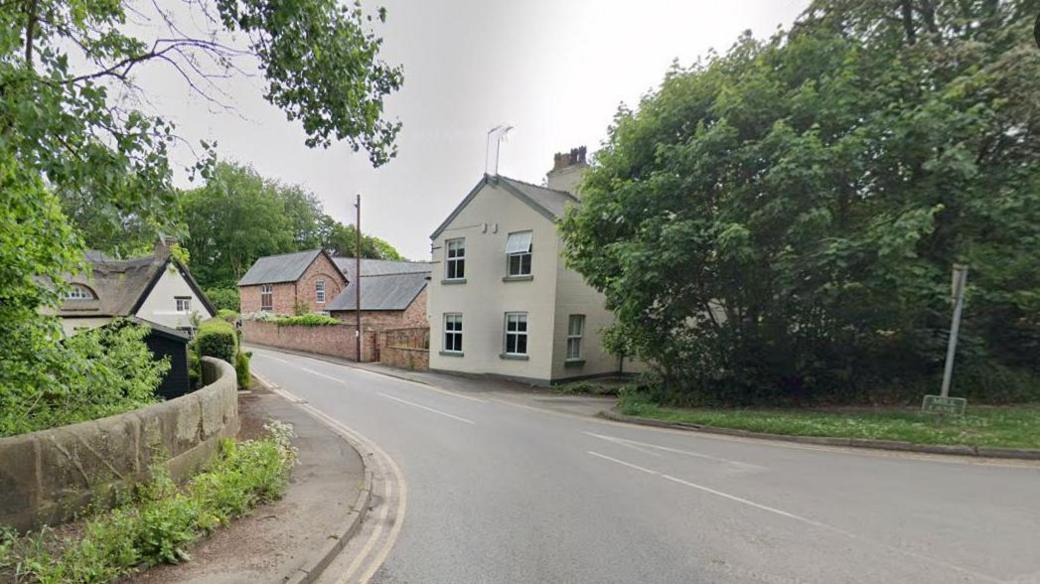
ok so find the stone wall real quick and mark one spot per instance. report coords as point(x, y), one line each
point(46, 477)
point(407, 348)
point(333, 340)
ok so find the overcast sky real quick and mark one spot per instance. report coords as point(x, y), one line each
point(556, 70)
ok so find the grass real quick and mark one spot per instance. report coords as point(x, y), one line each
point(989, 426)
point(598, 387)
point(159, 521)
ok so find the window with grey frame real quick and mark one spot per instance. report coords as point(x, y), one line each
point(455, 259)
point(516, 333)
point(319, 291)
point(575, 334)
point(183, 303)
point(453, 332)
point(266, 297)
point(518, 254)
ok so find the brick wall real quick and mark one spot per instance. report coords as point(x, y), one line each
point(283, 298)
point(286, 294)
point(405, 358)
point(334, 340)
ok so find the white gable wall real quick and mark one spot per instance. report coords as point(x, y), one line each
point(160, 306)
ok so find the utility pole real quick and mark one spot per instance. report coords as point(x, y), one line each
point(357, 276)
point(960, 278)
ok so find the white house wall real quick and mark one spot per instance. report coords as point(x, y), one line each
point(484, 299)
point(160, 306)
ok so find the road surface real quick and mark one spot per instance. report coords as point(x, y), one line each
point(493, 489)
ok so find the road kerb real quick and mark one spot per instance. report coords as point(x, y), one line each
point(954, 450)
point(314, 566)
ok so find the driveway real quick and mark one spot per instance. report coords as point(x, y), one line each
point(524, 489)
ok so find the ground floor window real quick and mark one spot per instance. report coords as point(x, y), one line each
point(453, 332)
point(575, 332)
point(266, 297)
point(516, 333)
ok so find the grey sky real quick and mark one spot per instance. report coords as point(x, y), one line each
point(556, 70)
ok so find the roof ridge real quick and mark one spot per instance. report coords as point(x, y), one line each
point(278, 255)
point(523, 182)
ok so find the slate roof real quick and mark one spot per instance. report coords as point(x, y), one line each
point(120, 286)
point(287, 267)
point(381, 291)
point(551, 203)
point(379, 267)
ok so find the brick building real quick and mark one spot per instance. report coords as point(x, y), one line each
point(388, 301)
point(280, 283)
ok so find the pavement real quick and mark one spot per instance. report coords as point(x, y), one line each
point(283, 540)
point(484, 484)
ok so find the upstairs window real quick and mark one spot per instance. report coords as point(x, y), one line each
point(516, 333)
point(453, 333)
point(518, 254)
point(319, 291)
point(183, 303)
point(266, 297)
point(455, 259)
point(575, 332)
point(79, 292)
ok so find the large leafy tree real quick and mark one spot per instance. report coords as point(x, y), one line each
point(239, 216)
point(778, 223)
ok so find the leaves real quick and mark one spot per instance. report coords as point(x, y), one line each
point(778, 223)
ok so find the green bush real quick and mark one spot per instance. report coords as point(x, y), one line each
point(93, 374)
point(224, 298)
point(160, 521)
point(242, 369)
point(217, 338)
point(227, 314)
point(311, 319)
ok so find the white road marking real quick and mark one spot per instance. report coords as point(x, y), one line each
point(427, 408)
point(799, 518)
point(642, 446)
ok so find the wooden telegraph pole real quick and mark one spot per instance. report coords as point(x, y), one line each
point(357, 276)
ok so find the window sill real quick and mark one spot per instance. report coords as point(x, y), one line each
point(451, 353)
point(511, 357)
point(453, 281)
point(526, 278)
point(573, 362)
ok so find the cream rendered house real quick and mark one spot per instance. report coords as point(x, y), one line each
point(501, 301)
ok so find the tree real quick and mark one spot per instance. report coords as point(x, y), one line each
point(778, 223)
point(239, 216)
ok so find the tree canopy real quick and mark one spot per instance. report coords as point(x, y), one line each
point(239, 216)
point(778, 223)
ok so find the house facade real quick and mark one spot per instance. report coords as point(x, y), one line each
point(281, 283)
point(501, 301)
point(156, 289)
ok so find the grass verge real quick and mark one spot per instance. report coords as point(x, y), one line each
point(990, 426)
point(159, 521)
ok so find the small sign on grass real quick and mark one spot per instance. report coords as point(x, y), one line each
point(946, 406)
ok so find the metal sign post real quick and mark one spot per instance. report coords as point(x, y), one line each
point(943, 403)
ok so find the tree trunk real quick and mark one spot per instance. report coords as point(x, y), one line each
point(908, 21)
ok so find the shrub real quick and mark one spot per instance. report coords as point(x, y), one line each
point(224, 298)
point(95, 373)
point(217, 338)
point(228, 315)
point(307, 320)
point(158, 524)
point(242, 369)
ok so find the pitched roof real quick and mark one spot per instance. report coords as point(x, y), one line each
point(370, 267)
point(381, 292)
point(121, 286)
point(551, 203)
point(287, 267)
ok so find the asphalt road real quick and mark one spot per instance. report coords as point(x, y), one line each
point(499, 490)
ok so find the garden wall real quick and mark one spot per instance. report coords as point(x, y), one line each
point(46, 477)
point(337, 340)
point(406, 348)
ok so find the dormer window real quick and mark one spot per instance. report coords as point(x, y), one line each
point(518, 254)
point(79, 292)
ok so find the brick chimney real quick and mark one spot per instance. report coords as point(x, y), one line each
point(163, 245)
point(567, 170)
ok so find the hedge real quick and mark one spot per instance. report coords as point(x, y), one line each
point(217, 338)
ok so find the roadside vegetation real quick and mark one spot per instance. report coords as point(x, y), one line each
point(776, 224)
point(93, 374)
point(218, 338)
point(159, 521)
point(991, 426)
